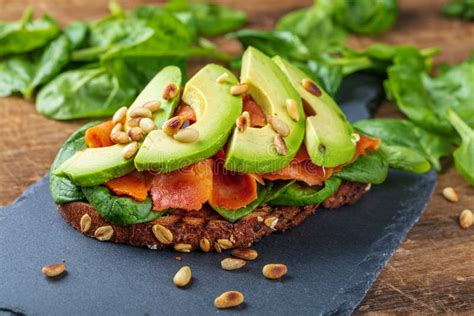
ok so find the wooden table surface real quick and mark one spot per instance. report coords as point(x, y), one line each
point(432, 272)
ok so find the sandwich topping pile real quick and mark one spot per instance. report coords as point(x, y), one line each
point(217, 164)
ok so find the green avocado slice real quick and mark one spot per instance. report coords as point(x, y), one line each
point(216, 112)
point(300, 195)
point(253, 150)
point(329, 136)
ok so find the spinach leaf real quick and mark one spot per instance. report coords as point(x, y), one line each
point(370, 168)
point(62, 189)
point(234, 215)
point(298, 194)
point(26, 35)
point(15, 75)
point(278, 187)
point(464, 154)
point(76, 32)
point(397, 134)
point(83, 93)
point(366, 16)
point(121, 211)
point(463, 9)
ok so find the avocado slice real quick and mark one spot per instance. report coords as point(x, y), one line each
point(253, 150)
point(94, 166)
point(216, 112)
point(329, 136)
point(154, 92)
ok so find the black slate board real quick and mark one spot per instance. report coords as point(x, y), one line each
point(333, 258)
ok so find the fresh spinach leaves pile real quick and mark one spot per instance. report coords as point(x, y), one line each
point(463, 9)
point(91, 69)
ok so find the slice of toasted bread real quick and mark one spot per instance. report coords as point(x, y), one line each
point(205, 229)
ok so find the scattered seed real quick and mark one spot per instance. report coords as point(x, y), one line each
point(271, 222)
point(225, 243)
point(259, 219)
point(187, 135)
point(367, 187)
point(153, 106)
point(130, 150)
point(140, 112)
point(178, 258)
point(280, 145)
point(119, 115)
point(222, 78)
point(147, 125)
point(217, 248)
point(117, 128)
point(292, 109)
point(460, 279)
point(246, 254)
point(229, 299)
point(232, 239)
point(181, 247)
point(239, 89)
point(450, 195)
point(120, 138)
point(311, 87)
point(243, 121)
point(171, 126)
point(85, 223)
point(232, 264)
point(170, 91)
point(104, 233)
point(134, 122)
point(355, 137)
point(465, 218)
point(279, 126)
point(163, 234)
point(136, 134)
point(182, 277)
point(205, 244)
point(274, 271)
point(53, 270)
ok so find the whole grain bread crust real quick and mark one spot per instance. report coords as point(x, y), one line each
point(205, 229)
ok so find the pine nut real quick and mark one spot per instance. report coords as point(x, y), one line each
point(147, 125)
point(130, 150)
point(225, 243)
point(171, 126)
point(232, 264)
point(117, 128)
point(292, 109)
point(183, 276)
point(205, 244)
point(187, 135)
point(163, 234)
point(259, 219)
point(274, 271)
point(134, 122)
point(120, 138)
point(217, 248)
point(223, 78)
point(153, 106)
point(311, 87)
point(170, 91)
point(229, 299)
point(104, 233)
point(243, 121)
point(140, 112)
point(119, 115)
point(280, 145)
point(355, 137)
point(53, 270)
point(450, 195)
point(181, 247)
point(136, 134)
point(465, 218)
point(246, 254)
point(279, 126)
point(85, 223)
point(271, 222)
point(239, 89)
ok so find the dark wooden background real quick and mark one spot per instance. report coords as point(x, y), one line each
point(432, 272)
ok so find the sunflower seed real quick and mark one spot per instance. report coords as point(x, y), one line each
point(140, 112)
point(279, 126)
point(147, 125)
point(119, 115)
point(170, 91)
point(239, 89)
point(53, 270)
point(181, 247)
point(292, 109)
point(205, 244)
point(311, 87)
point(280, 145)
point(182, 277)
point(229, 299)
point(163, 234)
point(232, 264)
point(187, 135)
point(153, 106)
point(130, 150)
point(274, 271)
point(225, 243)
point(243, 121)
point(104, 233)
point(85, 223)
point(246, 254)
point(465, 218)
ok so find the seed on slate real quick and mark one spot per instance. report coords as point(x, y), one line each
point(225, 243)
point(170, 91)
point(280, 145)
point(128, 151)
point(120, 138)
point(147, 125)
point(104, 233)
point(311, 87)
point(274, 271)
point(222, 78)
point(232, 264)
point(53, 270)
point(183, 276)
point(450, 195)
point(163, 234)
point(85, 223)
point(171, 126)
point(292, 109)
point(243, 121)
point(119, 115)
point(246, 254)
point(239, 89)
point(140, 112)
point(153, 106)
point(181, 247)
point(279, 126)
point(205, 244)
point(186, 135)
point(465, 218)
point(229, 299)
point(134, 122)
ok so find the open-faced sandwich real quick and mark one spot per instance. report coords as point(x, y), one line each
point(217, 164)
